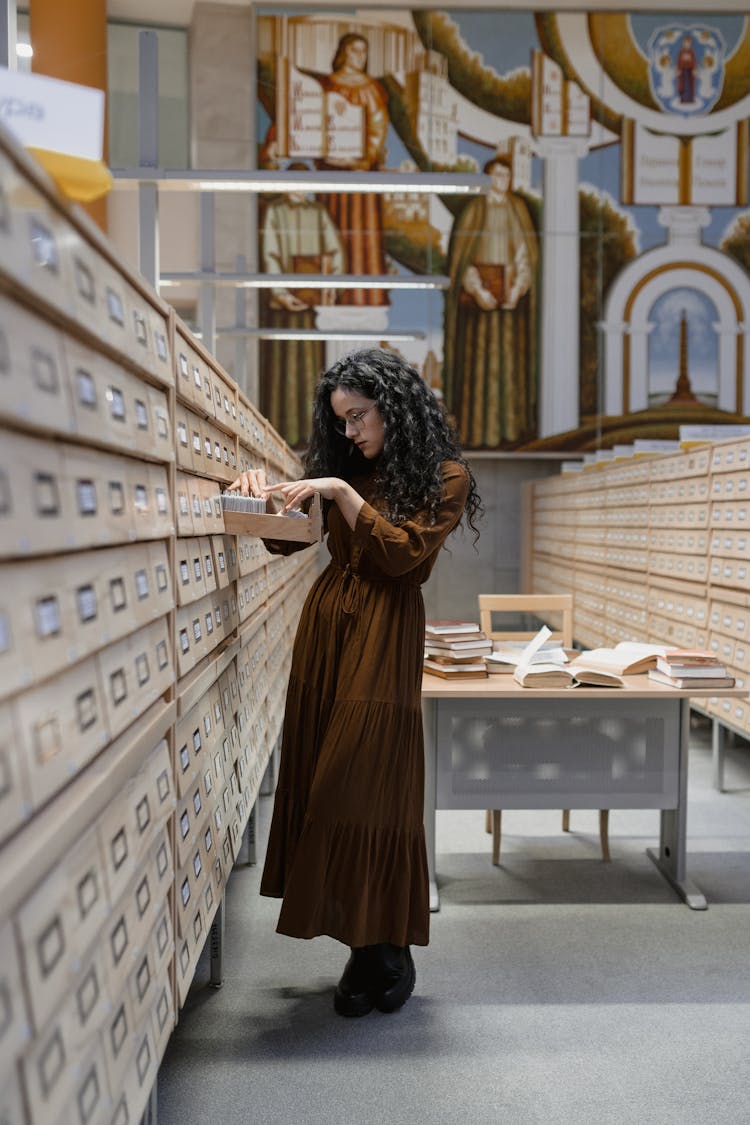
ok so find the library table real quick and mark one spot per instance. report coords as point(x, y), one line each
point(490, 743)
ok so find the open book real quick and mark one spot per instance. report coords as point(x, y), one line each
point(627, 658)
point(313, 122)
point(531, 673)
point(557, 675)
point(506, 655)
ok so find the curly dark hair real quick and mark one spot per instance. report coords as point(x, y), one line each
point(418, 436)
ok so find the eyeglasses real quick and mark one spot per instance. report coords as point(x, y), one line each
point(354, 420)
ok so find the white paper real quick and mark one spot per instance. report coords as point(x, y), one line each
point(533, 647)
point(48, 113)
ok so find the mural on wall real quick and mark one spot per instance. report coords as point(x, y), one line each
point(596, 288)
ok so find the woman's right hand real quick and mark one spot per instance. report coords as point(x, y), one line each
point(250, 483)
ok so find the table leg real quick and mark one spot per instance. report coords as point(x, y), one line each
point(718, 746)
point(672, 841)
point(217, 947)
point(429, 723)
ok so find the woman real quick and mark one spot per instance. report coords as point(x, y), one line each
point(346, 850)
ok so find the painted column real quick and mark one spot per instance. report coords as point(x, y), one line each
point(70, 42)
point(613, 332)
point(743, 345)
point(638, 397)
point(684, 224)
point(559, 380)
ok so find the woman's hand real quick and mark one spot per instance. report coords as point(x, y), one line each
point(250, 483)
point(295, 492)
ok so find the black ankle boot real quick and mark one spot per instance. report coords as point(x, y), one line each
point(352, 996)
point(393, 974)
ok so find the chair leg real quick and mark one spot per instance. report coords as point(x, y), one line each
point(604, 833)
point(566, 820)
point(496, 826)
point(488, 821)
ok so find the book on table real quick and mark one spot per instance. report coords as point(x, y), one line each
point(690, 656)
point(476, 647)
point(544, 674)
point(449, 627)
point(560, 675)
point(628, 658)
point(686, 683)
point(475, 670)
point(701, 670)
point(454, 657)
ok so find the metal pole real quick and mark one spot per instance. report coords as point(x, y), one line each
point(206, 294)
point(217, 947)
point(718, 746)
point(148, 154)
point(8, 24)
point(240, 321)
point(249, 836)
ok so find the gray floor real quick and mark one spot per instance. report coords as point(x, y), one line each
point(554, 989)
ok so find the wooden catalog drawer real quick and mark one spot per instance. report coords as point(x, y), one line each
point(61, 724)
point(680, 517)
point(689, 491)
point(34, 241)
point(15, 793)
point(113, 407)
point(730, 514)
point(675, 632)
point(32, 366)
point(678, 606)
point(201, 627)
point(134, 673)
point(733, 573)
point(57, 924)
point(731, 620)
point(728, 456)
point(627, 538)
point(730, 544)
point(189, 369)
point(632, 496)
point(14, 1021)
point(627, 558)
point(692, 568)
point(733, 712)
point(730, 486)
point(57, 612)
point(684, 542)
point(691, 464)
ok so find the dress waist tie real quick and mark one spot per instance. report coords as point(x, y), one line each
point(351, 586)
point(350, 591)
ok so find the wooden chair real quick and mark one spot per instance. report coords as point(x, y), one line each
point(539, 605)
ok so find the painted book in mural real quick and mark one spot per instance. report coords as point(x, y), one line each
point(314, 123)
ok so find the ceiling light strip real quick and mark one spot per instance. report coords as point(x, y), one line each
point(411, 183)
point(307, 280)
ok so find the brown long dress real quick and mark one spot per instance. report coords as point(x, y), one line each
point(346, 850)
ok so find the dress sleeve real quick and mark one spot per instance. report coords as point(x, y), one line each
point(285, 546)
point(395, 550)
point(289, 546)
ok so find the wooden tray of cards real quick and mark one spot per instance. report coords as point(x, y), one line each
point(265, 525)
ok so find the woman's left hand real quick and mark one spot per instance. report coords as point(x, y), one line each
point(297, 491)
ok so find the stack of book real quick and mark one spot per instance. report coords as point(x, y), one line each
point(455, 649)
point(690, 668)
